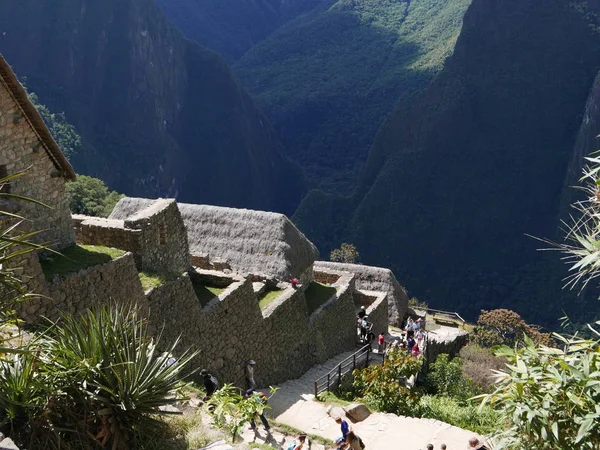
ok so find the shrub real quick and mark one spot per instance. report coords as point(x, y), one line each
point(504, 327)
point(380, 385)
point(446, 378)
point(347, 253)
point(550, 395)
point(479, 364)
point(470, 417)
point(98, 377)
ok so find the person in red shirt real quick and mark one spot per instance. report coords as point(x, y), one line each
point(380, 343)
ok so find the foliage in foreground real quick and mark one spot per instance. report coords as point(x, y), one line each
point(380, 386)
point(550, 395)
point(91, 197)
point(231, 411)
point(94, 379)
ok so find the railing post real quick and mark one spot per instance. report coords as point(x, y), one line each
point(368, 351)
point(316, 389)
point(354, 362)
point(328, 382)
point(340, 375)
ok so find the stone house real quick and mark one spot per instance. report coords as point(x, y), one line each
point(27, 146)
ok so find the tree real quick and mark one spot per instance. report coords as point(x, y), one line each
point(62, 131)
point(347, 253)
point(91, 197)
point(504, 327)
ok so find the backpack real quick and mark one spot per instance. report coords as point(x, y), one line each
point(360, 441)
point(292, 446)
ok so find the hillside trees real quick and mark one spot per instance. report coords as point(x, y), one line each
point(347, 253)
point(91, 197)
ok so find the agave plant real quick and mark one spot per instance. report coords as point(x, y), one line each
point(112, 372)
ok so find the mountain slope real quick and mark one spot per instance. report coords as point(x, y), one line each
point(231, 27)
point(163, 116)
point(327, 82)
point(461, 172)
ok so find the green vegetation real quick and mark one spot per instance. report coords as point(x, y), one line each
point(95, 379)
point(206, 293)
point(291, 431)
point(151, 280)
point(446, 378)
point(91, 197)
point(76, 258)
point(268, 297)
point(347, 253)
point(62, 131)
point(504, 327)
point(328, 80)
point(317, 294)
point(379, 386)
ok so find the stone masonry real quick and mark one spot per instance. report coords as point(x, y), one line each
point(22, 150)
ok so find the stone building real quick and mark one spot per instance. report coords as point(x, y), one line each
point(27, 146)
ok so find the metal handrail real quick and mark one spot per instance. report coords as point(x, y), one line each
point(448, 313)
point(334, 376)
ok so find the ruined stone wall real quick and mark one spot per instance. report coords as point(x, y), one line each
point(116, 280)
point(110, 233)
point(163, 244)
point(288, 346)
point(333, 325)
point(378, 311)
point(22, 149)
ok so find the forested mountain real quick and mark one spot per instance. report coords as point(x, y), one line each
point(462, 171)
point(160, 115)
point(326, 72)
point(231, 27)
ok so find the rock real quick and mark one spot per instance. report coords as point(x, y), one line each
point(357, 412)
point(335, 412)
point(8, 444)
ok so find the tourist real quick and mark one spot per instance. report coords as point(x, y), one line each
point(250, 374)
point(409, 324)
point(362, 312)
point(262, 399)
point(420, 337)
point(294, 282)
point(443, 447)
point(476, 444)
point(353, 442)
point(364, 329)
point(429, 446)
point(380, 342)
point(416, 351)
point(410, 341)
point(417, 325)
point(344, 427)
point(298, 443)
point(211, 384)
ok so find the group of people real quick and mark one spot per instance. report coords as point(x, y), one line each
point(474, 444)
point(349, 439)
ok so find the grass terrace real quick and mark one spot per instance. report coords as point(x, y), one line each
point(268, 297)
point(316, 295)
point(151, 280)
point(206, 293)
point(78, 257)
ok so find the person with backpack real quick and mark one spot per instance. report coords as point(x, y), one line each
point(211, 384)
point(262, 399)
point(353, 442)
point(298, 443)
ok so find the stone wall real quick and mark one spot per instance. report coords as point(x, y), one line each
point(332, 326)
point(116, 280)
point(377, 310)
point(21, 150)
point(164, 245)
point(156, 236)
point(445, 340)
point(326, 276)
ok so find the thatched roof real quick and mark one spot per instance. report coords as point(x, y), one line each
point(251, 242)
point(369, 278)
point(31, 114)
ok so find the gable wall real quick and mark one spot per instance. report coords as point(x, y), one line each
point(21, 149)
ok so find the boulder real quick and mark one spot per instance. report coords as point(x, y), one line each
point(357, 412)
point(8, 444)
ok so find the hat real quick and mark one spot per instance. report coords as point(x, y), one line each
point(204, 372)
point(362, 307)
point(252, 362)
point(249, 392)
point(474, 444)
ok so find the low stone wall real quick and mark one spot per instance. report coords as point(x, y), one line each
point(212, 278)
point(110, 233)
point(445, 340)
point(326, 276)
point(378, 310)
point(116, 280)
point(332, 326)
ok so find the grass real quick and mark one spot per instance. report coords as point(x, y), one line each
point(268, 297)
point(291, 431)
point(206, 293)
point(330, 397)
point(316, 295)
point(151, 280)
point(78, 257)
